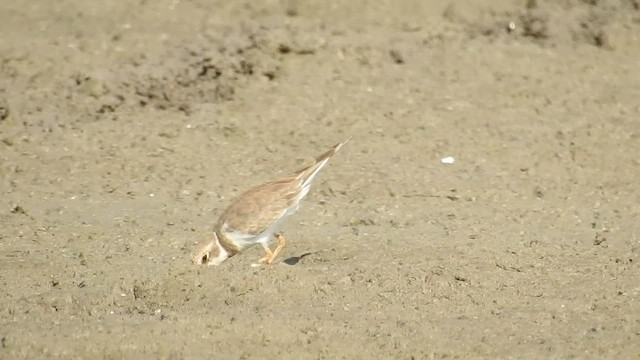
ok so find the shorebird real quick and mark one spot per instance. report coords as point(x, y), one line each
point(257, 215)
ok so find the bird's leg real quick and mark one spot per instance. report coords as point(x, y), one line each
point(269, 254)
point(281, 242)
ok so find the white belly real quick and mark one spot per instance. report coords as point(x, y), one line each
point(244, 240)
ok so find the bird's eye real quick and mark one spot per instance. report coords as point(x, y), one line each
point(205, 258)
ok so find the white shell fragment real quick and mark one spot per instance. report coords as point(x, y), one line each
point(448, 160)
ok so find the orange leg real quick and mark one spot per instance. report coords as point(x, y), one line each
point(281, 242)
point(268, 256)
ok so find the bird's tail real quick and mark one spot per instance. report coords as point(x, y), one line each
point(307, 174)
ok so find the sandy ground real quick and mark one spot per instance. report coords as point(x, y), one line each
point(127, 126)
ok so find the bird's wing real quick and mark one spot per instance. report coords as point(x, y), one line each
point(259, 208)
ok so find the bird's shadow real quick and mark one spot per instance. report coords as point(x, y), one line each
point(296, 259)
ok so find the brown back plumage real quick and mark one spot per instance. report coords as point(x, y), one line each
point(260, 207)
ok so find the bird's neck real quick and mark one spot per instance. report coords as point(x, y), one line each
point(222, 253)
point(226, 244)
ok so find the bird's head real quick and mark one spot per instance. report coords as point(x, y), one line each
point(210, 253)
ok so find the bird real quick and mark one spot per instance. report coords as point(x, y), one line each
point(257, 215)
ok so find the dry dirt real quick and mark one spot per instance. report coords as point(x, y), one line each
point(127, 126)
